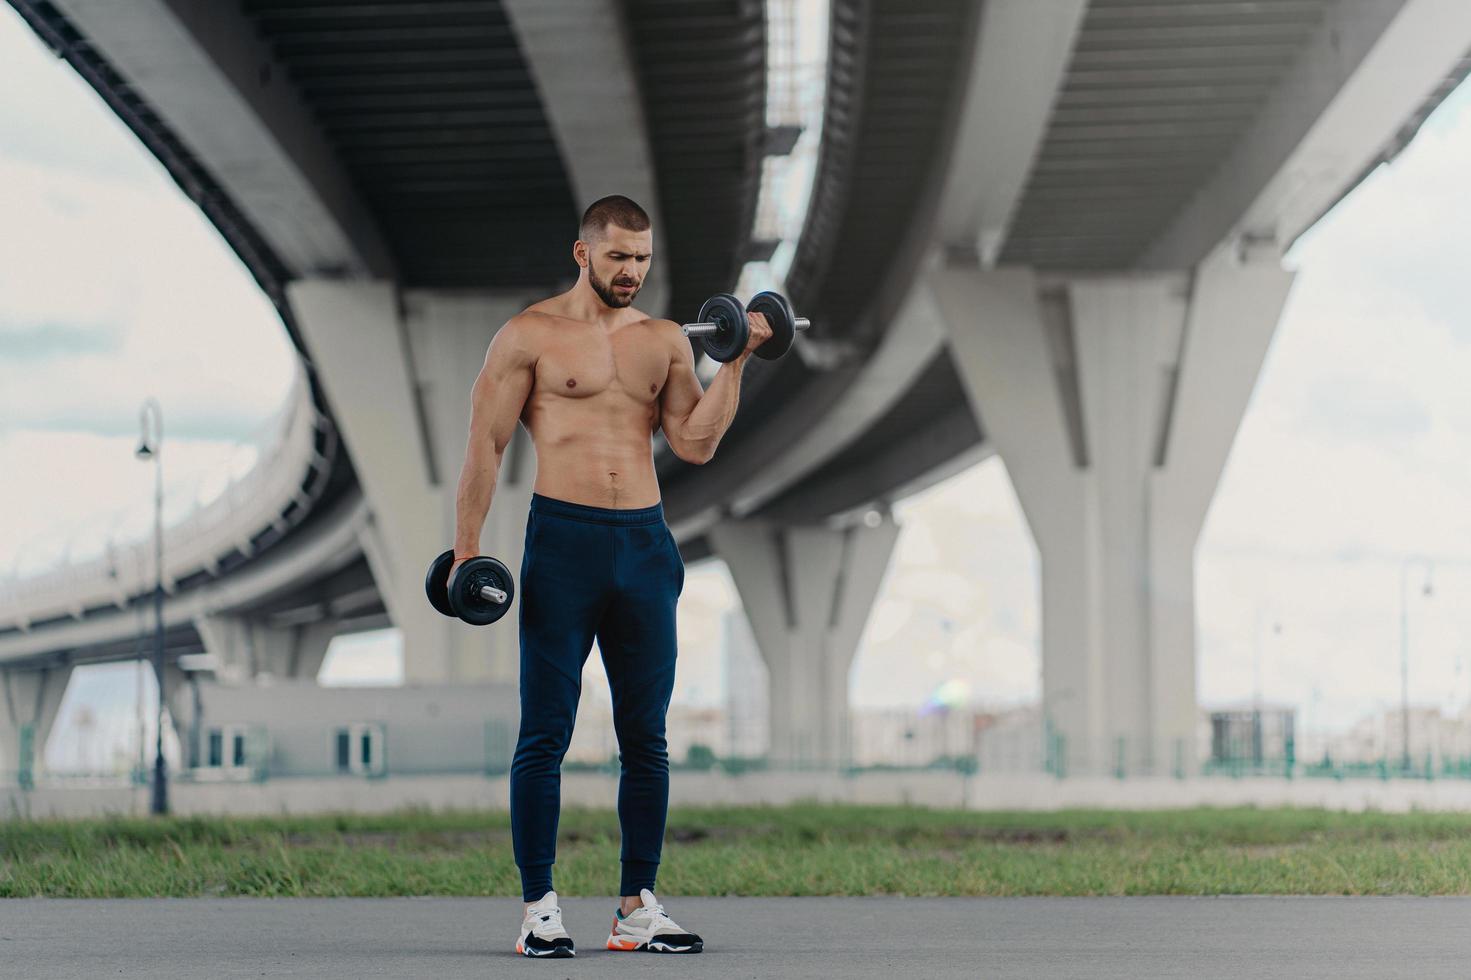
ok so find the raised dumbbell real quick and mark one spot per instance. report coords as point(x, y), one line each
point(479, 593)
point(724, 332)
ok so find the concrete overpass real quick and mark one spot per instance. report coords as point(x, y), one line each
point(1049, 231)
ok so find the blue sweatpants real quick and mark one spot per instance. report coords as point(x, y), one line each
point(615, 575)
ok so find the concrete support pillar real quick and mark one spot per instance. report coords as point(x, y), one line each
point(245, 648)
point(29, 701)
point(807, 592)
point(398, 368)
point(184, 714)
point(1114, 402)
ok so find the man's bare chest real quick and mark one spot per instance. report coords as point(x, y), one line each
point(591, 363)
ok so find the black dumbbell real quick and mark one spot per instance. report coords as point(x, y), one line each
point(724, 332)
point(480, 592)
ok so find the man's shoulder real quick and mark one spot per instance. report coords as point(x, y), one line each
point(660, 325)
point(537, 313)
point(670, 335)
point(530, 324)
point(524, 335)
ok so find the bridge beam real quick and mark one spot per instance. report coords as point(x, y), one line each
point(1021, 55)
point(204, 68)
point(245, 648)
point(29, 701)
point(807, 592)
point(1355, 97)
point(604, 152)
point(1114, 402)
point(398, 369)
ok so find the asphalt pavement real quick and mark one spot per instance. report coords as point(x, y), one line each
point(1341, 938)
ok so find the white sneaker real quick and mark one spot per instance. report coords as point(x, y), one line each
point(542, 933)
point(649, 928)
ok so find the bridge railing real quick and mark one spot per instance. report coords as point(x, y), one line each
point(274, 493)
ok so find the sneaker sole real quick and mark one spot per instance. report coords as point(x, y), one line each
point(626, 944)
point(561, 953)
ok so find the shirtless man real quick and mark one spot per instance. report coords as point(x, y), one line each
point(592, 379)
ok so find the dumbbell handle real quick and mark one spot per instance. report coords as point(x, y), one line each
point(707, 329)
point(492, 593)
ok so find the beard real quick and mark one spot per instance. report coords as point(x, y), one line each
point(605, 291)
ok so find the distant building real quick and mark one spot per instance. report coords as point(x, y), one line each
point(689, 726)
point(1252, 734)
point(737, 729)
point(1454, 739)
point(595, 741)
point(1018, 740)
point(297, 728)
point(1380, 737)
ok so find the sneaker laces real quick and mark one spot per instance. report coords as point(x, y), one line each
point(546, 921)
point(657, 916)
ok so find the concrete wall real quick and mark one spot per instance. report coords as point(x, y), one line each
point(931, 789)
point(422, 729)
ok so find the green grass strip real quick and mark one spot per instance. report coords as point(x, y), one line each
point(797, 850)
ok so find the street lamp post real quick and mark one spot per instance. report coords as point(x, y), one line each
point(153, 449)
point(1404, 649)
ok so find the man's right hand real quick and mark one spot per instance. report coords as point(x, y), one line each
point(455, 568)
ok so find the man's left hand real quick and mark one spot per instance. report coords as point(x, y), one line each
point(760, 331)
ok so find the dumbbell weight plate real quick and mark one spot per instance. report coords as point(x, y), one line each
point(436, 583)
point(781, 318)
point(465, 586)
point(728, 342)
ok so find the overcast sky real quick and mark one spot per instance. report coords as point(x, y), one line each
point(1355, 451)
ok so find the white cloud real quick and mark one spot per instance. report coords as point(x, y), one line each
point(1340, 631)
point(112, 288)
point(163, 305)
point(1356, 452)
point(364, 659)
point(72, 490)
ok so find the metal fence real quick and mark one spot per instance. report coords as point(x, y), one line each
point(378, 750)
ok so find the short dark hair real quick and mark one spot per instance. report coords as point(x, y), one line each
point(614, 209)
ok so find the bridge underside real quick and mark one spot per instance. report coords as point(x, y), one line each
point(1048, 232)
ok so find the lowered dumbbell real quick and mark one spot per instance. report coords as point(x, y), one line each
point(724, 332)
point(480, 591)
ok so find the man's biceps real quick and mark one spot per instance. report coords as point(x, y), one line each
point(673, 410)
point(680, 399)
point(498, 377)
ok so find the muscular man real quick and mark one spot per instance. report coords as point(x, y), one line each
point(592, 379)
